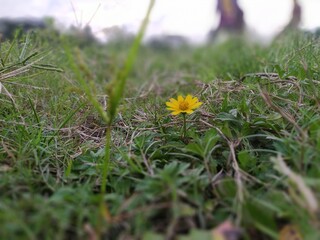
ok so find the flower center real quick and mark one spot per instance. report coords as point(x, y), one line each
point(183, 105)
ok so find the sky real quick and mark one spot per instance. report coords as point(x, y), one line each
point(190, 18)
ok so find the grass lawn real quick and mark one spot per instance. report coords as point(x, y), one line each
point(79, 160)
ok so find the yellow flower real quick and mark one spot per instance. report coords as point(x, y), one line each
point(183, 105)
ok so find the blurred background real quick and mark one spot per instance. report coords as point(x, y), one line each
point(195, 21)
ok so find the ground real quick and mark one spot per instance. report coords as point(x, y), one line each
point(249, 163)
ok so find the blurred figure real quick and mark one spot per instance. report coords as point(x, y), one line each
point(231, 15)
point(231, 18)
point(294, 21)
point(296, 16)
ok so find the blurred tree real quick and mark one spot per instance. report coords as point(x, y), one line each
point(9, 26)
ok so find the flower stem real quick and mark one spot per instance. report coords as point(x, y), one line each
point(184, 125)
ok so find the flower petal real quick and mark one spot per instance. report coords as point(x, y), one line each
point(174, 101)
point(189, 98)
point(189, 111)
point(176, 112)
point(194, 100)
point(180, 99)
point(172, 105)
point(196, 105)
